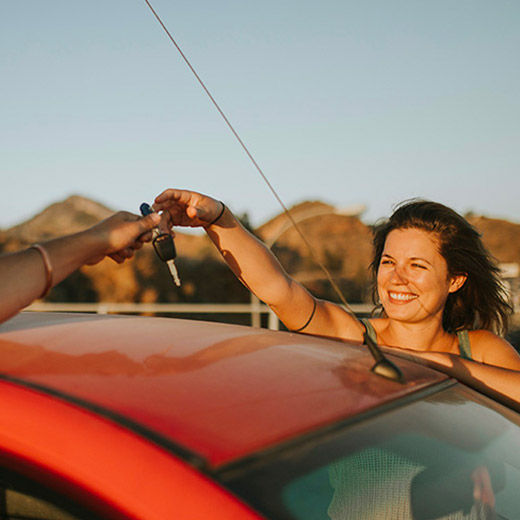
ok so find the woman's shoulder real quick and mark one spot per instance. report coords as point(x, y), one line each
point(491, 349)
point(333, 320)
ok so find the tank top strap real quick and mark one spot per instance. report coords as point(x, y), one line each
point(464, 344)
point(371, 332)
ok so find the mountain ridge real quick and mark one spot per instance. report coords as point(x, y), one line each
point(340, 241)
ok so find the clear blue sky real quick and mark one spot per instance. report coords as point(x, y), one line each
point(344, 101)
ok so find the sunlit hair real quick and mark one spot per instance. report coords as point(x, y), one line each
point(482, 302)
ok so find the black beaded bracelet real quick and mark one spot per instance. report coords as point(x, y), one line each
point(219, 215)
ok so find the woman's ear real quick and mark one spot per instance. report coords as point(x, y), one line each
point(457, 282)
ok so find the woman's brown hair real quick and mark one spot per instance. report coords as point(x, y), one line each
point(482, 302)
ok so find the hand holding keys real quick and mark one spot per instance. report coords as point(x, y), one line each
point(164, 246)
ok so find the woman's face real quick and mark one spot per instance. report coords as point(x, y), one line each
point(413, 282)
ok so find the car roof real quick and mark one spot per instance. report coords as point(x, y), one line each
point(216, 392)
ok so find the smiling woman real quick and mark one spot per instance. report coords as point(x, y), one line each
point(412, 279)
point(442, 299)
point(477, 300)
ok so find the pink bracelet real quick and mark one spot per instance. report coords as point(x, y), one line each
point(48, 268)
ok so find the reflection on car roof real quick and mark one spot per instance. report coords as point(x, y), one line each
point(219, 391)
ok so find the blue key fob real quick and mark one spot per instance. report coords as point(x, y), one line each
point(145, 209)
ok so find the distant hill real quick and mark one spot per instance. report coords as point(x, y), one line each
point(341, 242)
point(501, 237)
point(71, 215)
point(145, 278)
point(68, 216)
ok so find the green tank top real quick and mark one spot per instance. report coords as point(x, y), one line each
point(462, 335)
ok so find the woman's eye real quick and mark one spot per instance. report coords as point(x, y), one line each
point(420, 266)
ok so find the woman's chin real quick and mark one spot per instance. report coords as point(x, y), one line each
point(401, 311)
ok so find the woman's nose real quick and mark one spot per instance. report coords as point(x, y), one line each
point(398, 275)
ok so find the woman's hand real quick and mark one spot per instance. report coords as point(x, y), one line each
point(25, 275)
point(186, 208)
point(119, 236)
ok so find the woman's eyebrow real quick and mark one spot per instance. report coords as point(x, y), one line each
point(414, 258)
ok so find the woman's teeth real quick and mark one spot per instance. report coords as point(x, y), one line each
point(402, 296)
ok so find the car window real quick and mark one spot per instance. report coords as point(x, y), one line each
point(20, 499)
point(22, 505)
point(453, 455)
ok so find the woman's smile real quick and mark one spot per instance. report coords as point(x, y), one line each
point(413, 278)
point(401, 297)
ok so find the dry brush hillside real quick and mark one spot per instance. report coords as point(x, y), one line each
point(342, 243)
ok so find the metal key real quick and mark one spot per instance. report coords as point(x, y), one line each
point(164, 246)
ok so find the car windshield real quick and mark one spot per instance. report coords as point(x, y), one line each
point(451, 455)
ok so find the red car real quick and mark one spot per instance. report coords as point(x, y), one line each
point(153, 418)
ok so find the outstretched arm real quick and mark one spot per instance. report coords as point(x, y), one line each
point(501, 380)
point(255, 265)
point(24, 275)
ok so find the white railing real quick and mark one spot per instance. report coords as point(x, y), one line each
point(254, 309)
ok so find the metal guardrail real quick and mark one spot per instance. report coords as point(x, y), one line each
point(254, 309)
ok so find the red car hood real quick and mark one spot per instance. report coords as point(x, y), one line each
point(220, 391)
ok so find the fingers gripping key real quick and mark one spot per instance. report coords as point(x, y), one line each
point(164, 246)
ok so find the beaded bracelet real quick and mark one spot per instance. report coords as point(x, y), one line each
point(48, 268)
point(219, 215)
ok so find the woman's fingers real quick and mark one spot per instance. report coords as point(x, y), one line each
point(187, 208)
point(120, 235)
point(170, 196)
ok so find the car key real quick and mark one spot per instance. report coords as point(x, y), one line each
point(164, 246)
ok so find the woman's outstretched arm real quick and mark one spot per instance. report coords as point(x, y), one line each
point(26, 275)
point(495, 372)
point(255, 265)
